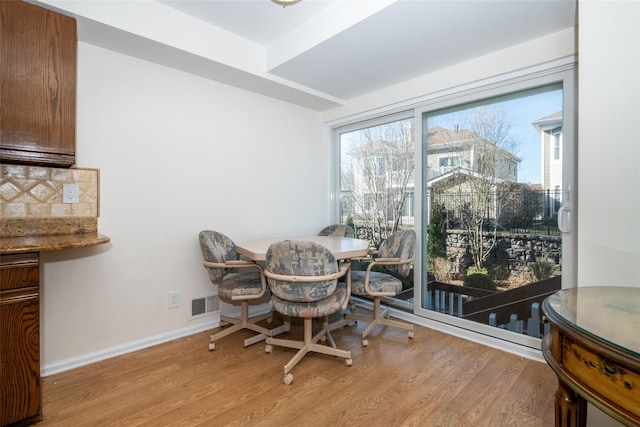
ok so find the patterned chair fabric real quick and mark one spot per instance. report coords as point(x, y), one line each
point(341, 230)
point(239, 282)
point(396, 256)
point(216, 247)
point(400, 244)
point(378, 282)
point(303, 277)
point(300, 258)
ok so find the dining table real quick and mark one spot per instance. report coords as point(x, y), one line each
point(342, 247)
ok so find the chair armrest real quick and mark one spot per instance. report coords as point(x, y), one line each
point(391, 261)
point(387, 260)
point(263, 290)
point(241, 264)
point(382, 261)
point(345, 269)
point(235, 263)
point(304, 279)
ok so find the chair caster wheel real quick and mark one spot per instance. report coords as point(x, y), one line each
point(270, 319)
point(349, 362)
point(288, 379)
point(324, 338)
point(268, 348)
point(212, 346)
point(411, 334)
point(365, 342)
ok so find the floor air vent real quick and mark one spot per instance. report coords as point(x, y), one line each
point(204, 305)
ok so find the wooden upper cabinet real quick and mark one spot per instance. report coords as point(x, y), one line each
point(38, 60)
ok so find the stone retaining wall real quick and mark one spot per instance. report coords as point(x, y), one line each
point(517, 251)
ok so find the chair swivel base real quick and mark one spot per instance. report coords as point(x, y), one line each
point(310, 344)
point(248, 323)
point(378, 318)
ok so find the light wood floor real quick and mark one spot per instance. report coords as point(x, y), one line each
point(432, 380)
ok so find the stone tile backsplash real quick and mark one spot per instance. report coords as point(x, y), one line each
point(36, 192)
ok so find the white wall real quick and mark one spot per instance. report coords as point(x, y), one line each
point(177, 154)
point(609, 143)
point(609, 129)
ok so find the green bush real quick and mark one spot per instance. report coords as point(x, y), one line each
point(542, 269)
point(472, 270)
point(499, 272)
point(479, 281)
point(437, 233)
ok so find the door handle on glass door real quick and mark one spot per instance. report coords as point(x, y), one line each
point(564, 219)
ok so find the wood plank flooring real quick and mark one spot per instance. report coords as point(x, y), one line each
point(434, 379)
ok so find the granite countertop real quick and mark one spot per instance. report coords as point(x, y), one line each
point(19, 236)
point(24, 244)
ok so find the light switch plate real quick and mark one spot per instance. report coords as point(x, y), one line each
point(70, 193)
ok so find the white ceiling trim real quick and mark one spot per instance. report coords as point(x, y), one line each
point(329, 22)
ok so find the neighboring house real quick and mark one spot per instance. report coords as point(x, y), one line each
point(388, 165)
point(550, 128)
point(381, 175)
point(469, 174)
point(464, 150)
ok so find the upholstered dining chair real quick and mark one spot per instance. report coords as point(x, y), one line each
point(303, 277)
point(238, 281)
point(340, 230)
point(395, 254)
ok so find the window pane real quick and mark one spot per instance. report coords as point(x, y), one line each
point(377, 170)
point(493, 248)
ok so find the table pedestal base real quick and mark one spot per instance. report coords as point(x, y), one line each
point(571, 409)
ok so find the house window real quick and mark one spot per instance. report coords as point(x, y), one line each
point(449, 162)
point(556, 145)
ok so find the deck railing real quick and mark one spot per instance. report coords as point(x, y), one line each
point(517, 310)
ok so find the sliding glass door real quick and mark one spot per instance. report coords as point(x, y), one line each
point(488, 184)
point(497, 197)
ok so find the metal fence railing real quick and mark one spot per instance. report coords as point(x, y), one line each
point(527, 211)
point(520, 211)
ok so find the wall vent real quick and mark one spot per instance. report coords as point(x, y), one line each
point(203, 305)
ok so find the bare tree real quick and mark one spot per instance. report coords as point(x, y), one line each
point(483, 147)
point(377, 177)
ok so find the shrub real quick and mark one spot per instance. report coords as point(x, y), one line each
point(437, 233)
point(499, 272)
point(479, 281)
point(542, 269)
point(472, 270)
point(442, 270)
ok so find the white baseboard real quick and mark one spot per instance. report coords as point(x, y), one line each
point(107, 353)
point(497, 343)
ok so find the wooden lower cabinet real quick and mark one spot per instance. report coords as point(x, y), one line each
point(20, 387)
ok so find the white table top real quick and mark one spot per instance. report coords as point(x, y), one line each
point(341, 247)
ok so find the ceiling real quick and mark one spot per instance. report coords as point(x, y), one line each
point(317, 53)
